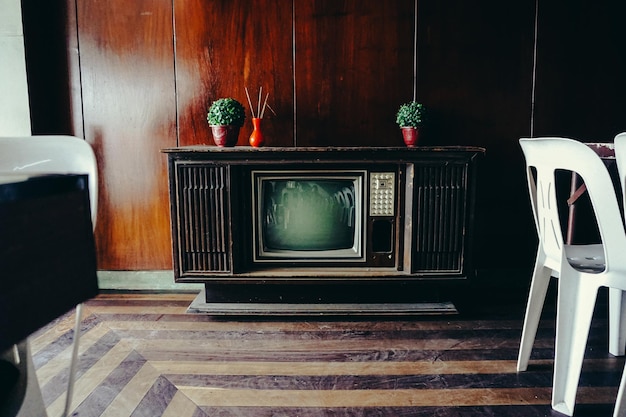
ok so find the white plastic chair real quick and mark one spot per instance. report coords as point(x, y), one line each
point(59, 155)
point(545, 268)
point(620, 156)
point(581, 269)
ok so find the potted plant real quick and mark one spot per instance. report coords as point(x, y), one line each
point(410, 117)
point(226, 116)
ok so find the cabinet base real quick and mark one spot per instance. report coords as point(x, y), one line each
point(200, 306)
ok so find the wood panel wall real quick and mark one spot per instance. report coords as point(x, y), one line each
point(354, 67)
point(224, 46)
point(581, 87)
point(327, 72)
point(475, 66)
point(129, 114)
point(142, 74)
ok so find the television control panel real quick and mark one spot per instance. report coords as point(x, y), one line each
point(382, 186)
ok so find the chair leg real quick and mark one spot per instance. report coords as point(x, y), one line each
point(536, 300)
point(73, 361)
point(617, 322)
point(575, 305)
point(31, 404)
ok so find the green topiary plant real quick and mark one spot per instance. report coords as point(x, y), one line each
point(410, 114)
point(226, 111)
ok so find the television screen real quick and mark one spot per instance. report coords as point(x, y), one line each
point(309, 216)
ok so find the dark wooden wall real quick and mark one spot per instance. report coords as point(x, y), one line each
point(134, 77)
point(222, 47)
point(475, 75)
point(329, 73)
point(354, 67)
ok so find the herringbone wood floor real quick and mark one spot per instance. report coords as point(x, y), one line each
point(143, 355)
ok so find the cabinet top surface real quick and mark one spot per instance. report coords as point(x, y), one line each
point(272, 149)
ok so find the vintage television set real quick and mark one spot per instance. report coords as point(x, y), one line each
point(250, 216)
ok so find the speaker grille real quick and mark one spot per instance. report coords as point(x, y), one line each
point(440, 213)
point(203, 228)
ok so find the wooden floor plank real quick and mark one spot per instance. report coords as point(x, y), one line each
point(142, 354)
point(367, 368)
point(212, 397)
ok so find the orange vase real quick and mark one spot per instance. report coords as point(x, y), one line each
point(256, 137)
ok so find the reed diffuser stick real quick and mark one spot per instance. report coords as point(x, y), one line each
point(264, 104)
point(259, 102)
point(270, 107)
point(249, 102)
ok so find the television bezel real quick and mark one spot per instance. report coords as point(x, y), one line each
point(355, 254)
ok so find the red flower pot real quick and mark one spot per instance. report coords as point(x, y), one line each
point(410, 136)
point(225, 135)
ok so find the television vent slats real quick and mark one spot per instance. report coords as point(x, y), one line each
point(440, 208)
point(203, 219)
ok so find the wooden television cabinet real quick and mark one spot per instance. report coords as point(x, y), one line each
point(410, 212)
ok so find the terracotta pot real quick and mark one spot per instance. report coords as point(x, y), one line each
point(225, 136)
point(410, 136)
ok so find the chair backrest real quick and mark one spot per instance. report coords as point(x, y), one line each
point(620, 157)
point(550, 155)
point(52, 154)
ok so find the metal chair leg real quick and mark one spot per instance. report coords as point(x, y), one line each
point(73, 362)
